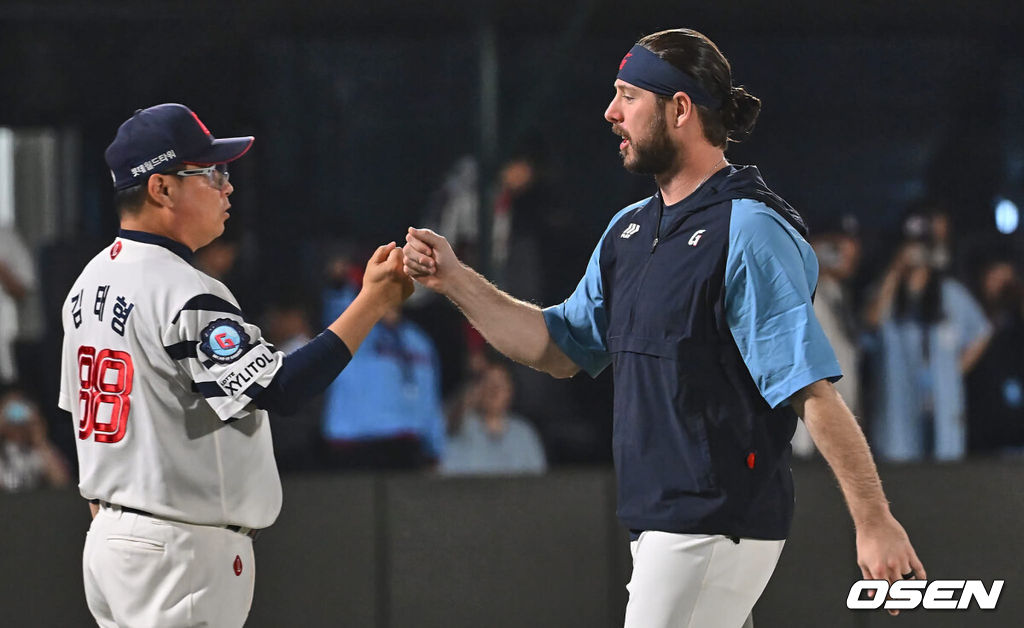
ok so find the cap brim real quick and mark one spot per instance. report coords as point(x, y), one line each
point(222, 151)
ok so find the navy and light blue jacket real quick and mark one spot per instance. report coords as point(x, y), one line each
point(704, 309)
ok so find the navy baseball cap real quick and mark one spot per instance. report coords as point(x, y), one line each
point(160, 137)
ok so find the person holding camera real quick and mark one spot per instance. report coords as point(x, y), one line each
point(28, 460)
point(931, 333)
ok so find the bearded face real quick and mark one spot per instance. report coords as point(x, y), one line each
point(652, 153)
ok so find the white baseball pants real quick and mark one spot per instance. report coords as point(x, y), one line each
point(697, 580)
point(143, 572)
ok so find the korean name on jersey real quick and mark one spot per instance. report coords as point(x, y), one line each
point(159, 373)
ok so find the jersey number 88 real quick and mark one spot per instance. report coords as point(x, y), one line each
point(98, 387)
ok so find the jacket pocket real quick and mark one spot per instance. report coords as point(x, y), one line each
point(661, 430)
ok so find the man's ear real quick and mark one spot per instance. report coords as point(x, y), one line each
point(160, 189)
point(683, 106)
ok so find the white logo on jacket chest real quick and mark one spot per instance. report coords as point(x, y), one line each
point(695, 238)
point(630, 230)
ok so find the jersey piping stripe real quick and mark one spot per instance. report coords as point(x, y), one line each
point(208, 303)
point(208, 389)
point(253, 391)
point(182, 350)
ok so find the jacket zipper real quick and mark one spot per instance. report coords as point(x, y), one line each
point(647, 264)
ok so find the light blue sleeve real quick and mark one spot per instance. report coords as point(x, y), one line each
point(770, 275)
point(579, 324)
point(970, 320)
point(434, 430)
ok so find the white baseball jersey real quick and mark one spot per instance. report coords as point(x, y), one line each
point(159, 373)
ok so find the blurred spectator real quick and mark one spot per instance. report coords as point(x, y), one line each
point(28, 459)
point(535, 234)
point(17, 280)
point(519, 209)
point(1002, 294)
point(384, 410)
point(838, 257)
point(219, 259)
point(931, 333)
point(464, 399)
point(288, 325)
point(995, 388)
point(940, 240)
point(488, 439)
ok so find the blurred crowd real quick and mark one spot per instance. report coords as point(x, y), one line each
point(927, 328)
point(927, 324)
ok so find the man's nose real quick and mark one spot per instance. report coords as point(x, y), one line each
point(612, 113)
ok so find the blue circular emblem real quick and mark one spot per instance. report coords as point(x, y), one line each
point(224, 340)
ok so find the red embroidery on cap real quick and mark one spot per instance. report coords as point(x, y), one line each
point(200, 123)
point(751, 457)
point(238, 565)
point(622, 64)
point(114, 250)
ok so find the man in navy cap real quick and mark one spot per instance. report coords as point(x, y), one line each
point(169, 386)
point(700, 298)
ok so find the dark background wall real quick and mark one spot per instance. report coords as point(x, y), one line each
point(393, 551)
point(359, 108)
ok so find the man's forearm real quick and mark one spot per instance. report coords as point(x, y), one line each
point(842, 443)
point(354, 324)
point(515, 328)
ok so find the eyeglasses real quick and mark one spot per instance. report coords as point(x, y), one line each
point(217, 175)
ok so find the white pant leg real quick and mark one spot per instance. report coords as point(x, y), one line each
point(93, 596)
point(696, 580)
point(150, 573)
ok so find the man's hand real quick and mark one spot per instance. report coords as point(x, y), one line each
point(884, 552)
point(883, 548)
point(385, 286)
point(429, 259)
point(385, 280)
point(513, 327)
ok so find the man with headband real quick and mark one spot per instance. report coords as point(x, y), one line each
point(700, 296)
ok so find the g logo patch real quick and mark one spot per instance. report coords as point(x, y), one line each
point(224, 340)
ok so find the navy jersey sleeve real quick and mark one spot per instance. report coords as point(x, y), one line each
point(304, 374)
point(434, 428)
point(771, 273)
point(579, 324)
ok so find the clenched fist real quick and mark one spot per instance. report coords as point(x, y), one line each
point(430, 260)
point(385, 280)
